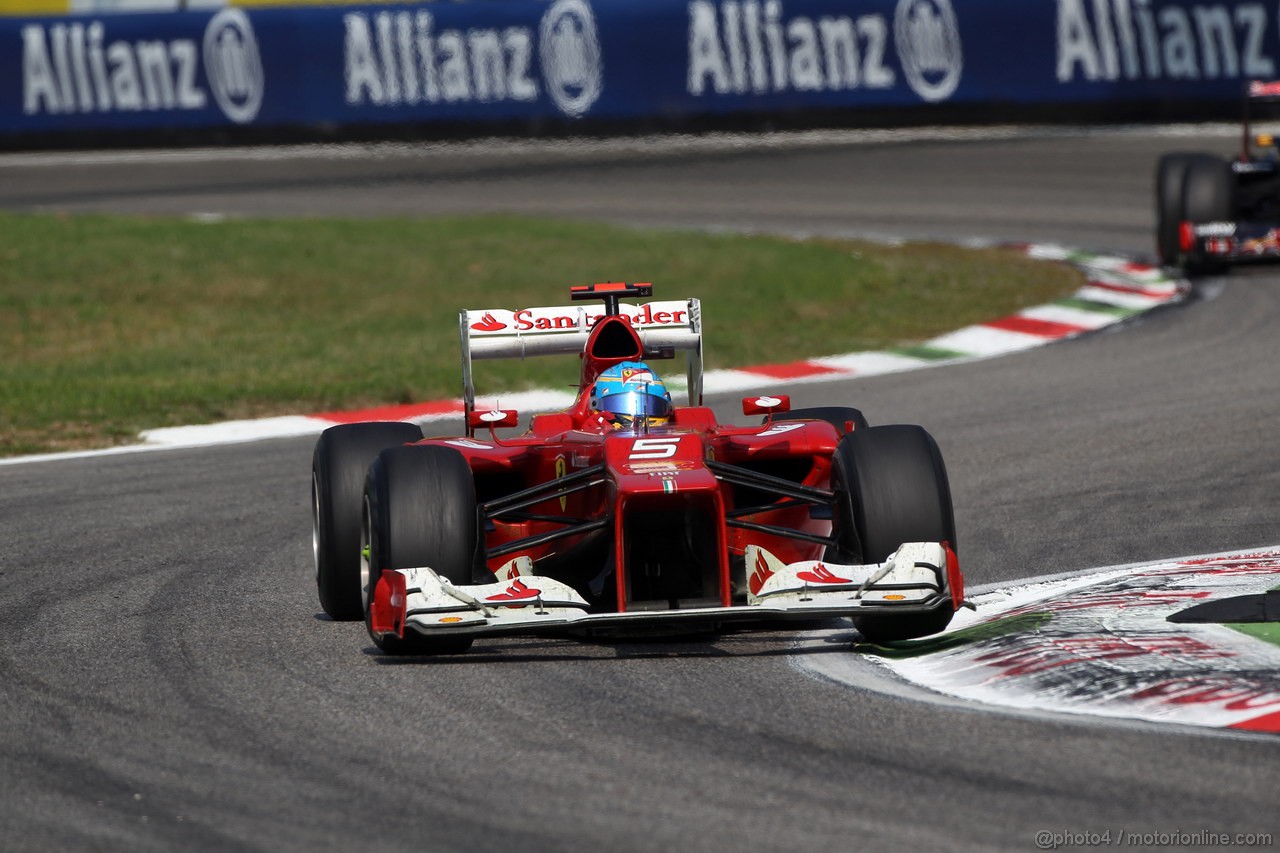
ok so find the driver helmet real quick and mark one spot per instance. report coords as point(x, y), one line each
point(631, 395)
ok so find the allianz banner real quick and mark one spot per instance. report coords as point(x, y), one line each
point(616, 59)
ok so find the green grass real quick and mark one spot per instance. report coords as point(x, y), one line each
point(1268, 632)
point(111, 325)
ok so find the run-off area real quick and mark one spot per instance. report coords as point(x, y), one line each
point(1103, 643)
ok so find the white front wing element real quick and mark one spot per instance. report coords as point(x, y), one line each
point(433, 603)
point(913, 577)
point(913, 574)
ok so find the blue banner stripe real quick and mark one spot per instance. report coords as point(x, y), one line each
point(616, 59)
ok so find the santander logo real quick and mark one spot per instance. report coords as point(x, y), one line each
point(821, 574)
point(761, 574)
point(488, 323)
point(518, 591)
point(573, 318)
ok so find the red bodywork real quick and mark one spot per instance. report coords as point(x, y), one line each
point(643, 521)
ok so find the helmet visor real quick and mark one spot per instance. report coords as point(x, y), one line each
point(636, 404)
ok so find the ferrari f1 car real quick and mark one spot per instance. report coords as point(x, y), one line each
point(1211, 211)
point(580, 526)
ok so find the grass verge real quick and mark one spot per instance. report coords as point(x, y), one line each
point(1268, 632)
point(112, 325)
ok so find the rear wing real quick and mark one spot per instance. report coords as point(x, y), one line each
point(665, 328)
point(1256, 92)
point(1264, 89)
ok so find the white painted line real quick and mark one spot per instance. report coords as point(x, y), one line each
point(1049, 252)
point(728, 381)
point(525, 401)
point(870, 363)
point(986, 341)
point(1070, 316)
point(84, 454)
point(233, 431)
point(1135, 301)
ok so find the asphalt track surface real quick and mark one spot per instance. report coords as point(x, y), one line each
point(167, 682)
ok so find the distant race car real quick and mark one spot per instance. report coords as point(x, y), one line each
point(1211, 211)
point(625, 513)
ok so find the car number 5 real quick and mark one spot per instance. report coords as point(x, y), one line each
point(654, 448)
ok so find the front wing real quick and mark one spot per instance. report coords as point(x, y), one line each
point(919, 577)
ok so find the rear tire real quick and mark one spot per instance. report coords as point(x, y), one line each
point(891, 487)
point(1171, 175)
point(1208, 195)
point(837, 416)
point(420, 510)
point(342, 457)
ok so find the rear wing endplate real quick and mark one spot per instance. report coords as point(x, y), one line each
point(664, 327)
point(1262, 89)
point(1255, 91)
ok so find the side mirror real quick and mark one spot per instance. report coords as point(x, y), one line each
point(493, 419)
point(766, 405)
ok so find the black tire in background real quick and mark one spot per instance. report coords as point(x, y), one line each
point(338, 466)
point(420, 510)
point(1208, 195)
point(1171, 175)
point(837, 416)
point(891, 487)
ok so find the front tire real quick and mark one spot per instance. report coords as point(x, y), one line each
point(338, 465)
point(420, 510)
point(891, 487)
point(837, 416)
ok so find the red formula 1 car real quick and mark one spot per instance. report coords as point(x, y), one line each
point(597, 522)
point(1211, 211)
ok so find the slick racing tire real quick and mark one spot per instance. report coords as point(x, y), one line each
point(1208, 195)
point(1171, 177)
point(891, 487)
point(420, 510)
point(837, 416)
point(342, 457)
